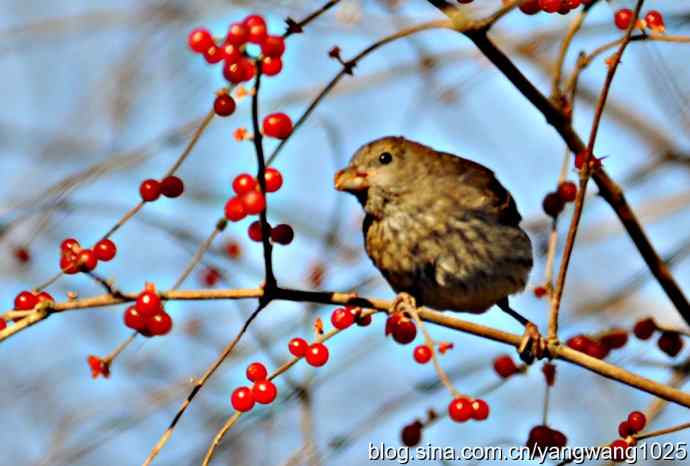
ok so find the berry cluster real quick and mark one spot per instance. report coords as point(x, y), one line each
point(170, 186)
point(462, 409)
point(554, 202)
point(600, 346)
point(316, 354)
point(626, 429)
point(532, 7)
point(148, 315)
point(249, 200)
point(652, 20)
point(238, 65)
point(505, 366)
point(343, 317)
point(669, 342)
point(74, 258)
point(27, 300)
point(402, 327)
point(263, 391)
point(545, 437)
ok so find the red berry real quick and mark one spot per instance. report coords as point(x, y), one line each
point(558, 440)
point(422, 354)
point(25, 300)
point(134, 320)
point(579, 343)
point(211, 277)
point(264, 391)
point(550, 6)
point(317, 354)
point(214, 54)
point(150, 190)
point(624, 429)
point(238, 34)
point(159, 324)
point(277, 125)
point(298, 347)
point(238, 71)
point(244, 183)
point(360, 319)
point(530, 7)
point(22, 255)
point(254, 202)
point(234, 210)
point(552, 204)
point(567, 190)
point(69, 245)
point(148, 303)
point(172, 187)
point(655, 21)
point(539, 291)
point(255, 232)
point(242, 399)
point(282, 234)
point(105, 250)
point(3, 324)
point(44, 296)
point(200, 39)
point(644, 328)
point(549, 371)
point(572, 4)
point(256, 26)
point(233, 249)
point(504, 366)
point(87, 260)
point(274, 180)
point(539, 436)
point(637, 421)
point(403, 329)
point(224, 105)
point(271, 66)
point(597, 350)
point(273, 46)
point(68, 264)
point(618, 449)
point(411, 434)
point(480, 410)
point(614, 339)
point(232, 54)
point(623, 18)
point(342, 318)
point(460, 409)
point(670, 343)
point(256, 372)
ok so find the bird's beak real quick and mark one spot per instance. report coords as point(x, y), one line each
point(351, 180)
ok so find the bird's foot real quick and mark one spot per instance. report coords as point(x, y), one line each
point(403, 302)
point(532, 346)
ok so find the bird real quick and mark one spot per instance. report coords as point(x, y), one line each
point(440, 228)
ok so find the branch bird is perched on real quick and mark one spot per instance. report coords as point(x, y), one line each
point(440, 228)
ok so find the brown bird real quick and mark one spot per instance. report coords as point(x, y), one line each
point(439, 227)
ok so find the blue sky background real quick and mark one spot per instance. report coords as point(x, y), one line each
point(83, 84)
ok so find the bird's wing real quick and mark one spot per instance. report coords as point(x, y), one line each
point(475, 187)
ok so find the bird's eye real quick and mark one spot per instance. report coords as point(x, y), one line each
point(385, 158)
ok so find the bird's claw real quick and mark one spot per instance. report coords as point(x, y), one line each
point(532, 346)
point(403, 302)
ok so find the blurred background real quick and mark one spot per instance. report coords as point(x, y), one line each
point(98, 96)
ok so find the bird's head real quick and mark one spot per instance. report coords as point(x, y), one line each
point(385, 167)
